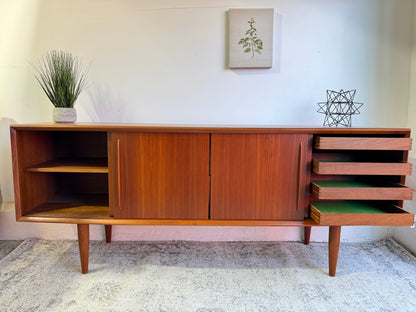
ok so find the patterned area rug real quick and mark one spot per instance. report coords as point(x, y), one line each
point(42, 275)
point(7, 246)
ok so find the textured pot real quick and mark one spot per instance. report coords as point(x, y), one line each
point(64, 114)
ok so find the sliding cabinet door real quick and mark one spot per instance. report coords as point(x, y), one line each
point(260, 176)
point(159, 175)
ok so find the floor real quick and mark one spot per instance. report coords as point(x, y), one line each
point(206, 277)
point(8, 246)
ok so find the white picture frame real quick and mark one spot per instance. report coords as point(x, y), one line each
point(251, 38)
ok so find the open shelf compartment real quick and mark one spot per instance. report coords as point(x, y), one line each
point(359, 213)
point(73, 206)
point(62, 173)
point(64, 151)
point(71, 195)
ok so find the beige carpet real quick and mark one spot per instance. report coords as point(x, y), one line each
point(41, 275)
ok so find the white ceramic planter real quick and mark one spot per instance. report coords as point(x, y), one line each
point(64, 114)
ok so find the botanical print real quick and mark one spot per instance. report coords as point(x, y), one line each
point(251, 43)
point(251, 38)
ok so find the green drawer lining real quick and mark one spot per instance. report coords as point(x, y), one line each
point(342, 184)
point(346, 207)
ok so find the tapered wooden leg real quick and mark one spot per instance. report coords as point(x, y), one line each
point(333, 248)
point(307, 234)
point(84, 245)
point(108, 230)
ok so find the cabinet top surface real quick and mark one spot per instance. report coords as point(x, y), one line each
point(202, 128)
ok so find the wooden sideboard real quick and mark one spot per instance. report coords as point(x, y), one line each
point(183, 175)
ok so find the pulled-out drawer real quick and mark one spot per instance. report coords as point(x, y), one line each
point(347, 190)
point(361, 168)
point(363, 143)
point(359, 213)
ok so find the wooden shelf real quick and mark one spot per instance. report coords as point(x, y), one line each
point(84, 165)
point(73, 206)
point(363, 143)
point(350, 190)
point(361, 168)
point(359, 213)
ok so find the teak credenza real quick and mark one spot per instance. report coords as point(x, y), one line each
point(177, 175)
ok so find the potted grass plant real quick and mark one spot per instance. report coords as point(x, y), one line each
point(62, 77)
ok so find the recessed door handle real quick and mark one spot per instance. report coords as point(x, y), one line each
point(299, 176)
point(119, 173)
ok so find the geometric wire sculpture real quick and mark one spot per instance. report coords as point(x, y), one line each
point(339, 107)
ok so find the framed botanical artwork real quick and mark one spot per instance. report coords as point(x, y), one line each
point(251, 38)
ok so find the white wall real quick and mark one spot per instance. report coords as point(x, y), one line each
point(165, 62)
point(407, 236)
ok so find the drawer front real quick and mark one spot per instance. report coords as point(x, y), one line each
point(361, 191)
point(360, 143)
point(361, 168)
point(358, 213)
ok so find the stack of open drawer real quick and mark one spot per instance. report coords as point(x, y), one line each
point(360, 180)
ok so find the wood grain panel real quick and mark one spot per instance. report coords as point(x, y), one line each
point(76, 218)
point(87, 165)
point(259, 176)
point(362, 143)
point(159, 175)
point(361, 168)
point(404, 158)
point(362, 193)
point(153, 128)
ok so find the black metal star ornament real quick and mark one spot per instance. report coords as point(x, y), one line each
point(339, 108)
